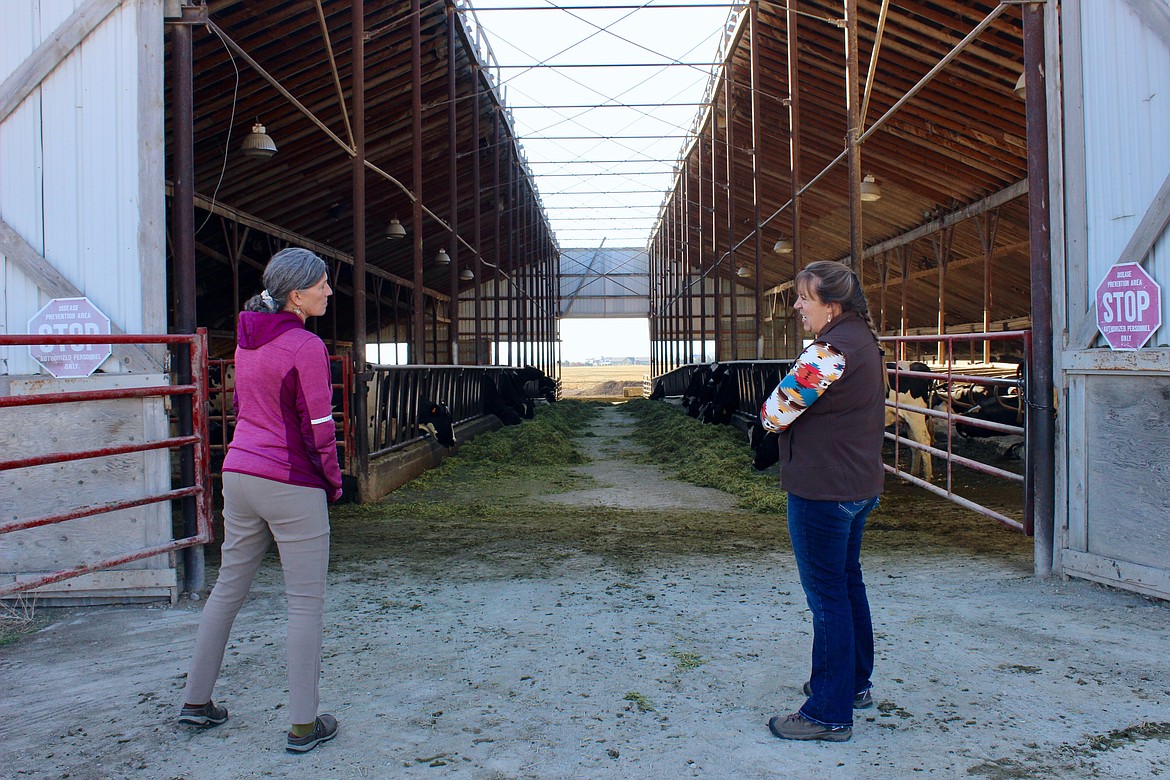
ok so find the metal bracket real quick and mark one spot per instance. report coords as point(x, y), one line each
point(175, 12)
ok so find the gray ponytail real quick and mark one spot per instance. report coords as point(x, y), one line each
point(289, 269)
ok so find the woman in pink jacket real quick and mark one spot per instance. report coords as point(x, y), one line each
point(280, 473)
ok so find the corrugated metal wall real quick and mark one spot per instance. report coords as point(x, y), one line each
point(1126, 77)
point(603, 282)
point(1112, 106)
point(81, 169)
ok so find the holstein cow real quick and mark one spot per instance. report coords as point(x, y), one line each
point(765, 444)
point(512, 391)
point(697, 391)
point(723, 395)
point(911, 391)
point(995, 403)
point(435, 419)
point(544, 384)
point(221, 411)
point(997, 406)
point(494, 403)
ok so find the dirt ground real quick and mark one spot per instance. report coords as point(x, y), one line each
point(619, 625)
point(601, 381)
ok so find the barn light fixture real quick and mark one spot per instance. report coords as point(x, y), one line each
point(467, 274)
point(442, 258)
point(783, 246)
point(258, 143)
point(742, 271)
point(1021, 88)
point(394, 230)
point(870, 189)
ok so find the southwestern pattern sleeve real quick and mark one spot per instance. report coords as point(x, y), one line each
point(816, 368)
point(315, 399)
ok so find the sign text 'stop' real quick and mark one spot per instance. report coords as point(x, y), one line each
point(1129, 306)
point(67, 317)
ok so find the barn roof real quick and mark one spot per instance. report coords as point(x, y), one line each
point(955, 146)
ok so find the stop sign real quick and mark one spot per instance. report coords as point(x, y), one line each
point(1129, 306)
point(64, 317)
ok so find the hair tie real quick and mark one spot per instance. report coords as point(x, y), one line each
point(267, 298)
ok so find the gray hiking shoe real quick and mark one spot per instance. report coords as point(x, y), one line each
point(861, 701)
point(324, 730)
point(796, 726)
point(210, 714)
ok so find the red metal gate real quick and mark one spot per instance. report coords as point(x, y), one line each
point(221, 417)
point(197, 349)
point(944, 374)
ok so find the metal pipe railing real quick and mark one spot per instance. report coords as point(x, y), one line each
point(752, 378)
point(196, 350)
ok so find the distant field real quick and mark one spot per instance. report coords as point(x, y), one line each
point(600, 381)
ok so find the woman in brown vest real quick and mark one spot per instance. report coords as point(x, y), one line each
point(829, 411)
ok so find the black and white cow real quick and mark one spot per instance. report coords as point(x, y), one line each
point(765, 444)
point(697, 392)
point(541, 382)
point(911, 391)
point(996, 404)
point(512, 391)
point(721, 396)
point(494, 403)
point(435, 419)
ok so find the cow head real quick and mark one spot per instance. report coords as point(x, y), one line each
point(765, 446)
point(435, 418)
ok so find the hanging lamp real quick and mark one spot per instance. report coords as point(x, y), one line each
point(258, 143)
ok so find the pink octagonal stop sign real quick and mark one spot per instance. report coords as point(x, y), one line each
point(1129, 306)
point(70, 316)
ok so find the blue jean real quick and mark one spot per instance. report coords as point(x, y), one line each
point(826, 540)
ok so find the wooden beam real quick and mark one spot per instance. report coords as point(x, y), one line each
point(953, 218)
point(45, 58)
point(219, 209)
point(54, 284)
point(1136, 251)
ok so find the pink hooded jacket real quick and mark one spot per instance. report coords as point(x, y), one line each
point(284, 404)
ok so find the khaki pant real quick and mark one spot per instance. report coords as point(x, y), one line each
point(256, 511)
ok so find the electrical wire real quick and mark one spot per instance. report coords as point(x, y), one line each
point(231, 123)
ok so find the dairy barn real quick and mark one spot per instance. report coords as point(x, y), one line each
point(996, 172)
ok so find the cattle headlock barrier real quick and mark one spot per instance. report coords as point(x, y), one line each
point(960, 399)
point(397, 440)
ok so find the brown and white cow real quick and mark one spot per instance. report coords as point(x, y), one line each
point(912, 391)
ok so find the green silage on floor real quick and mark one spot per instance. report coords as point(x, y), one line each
point(715, 456)
point(537, 449)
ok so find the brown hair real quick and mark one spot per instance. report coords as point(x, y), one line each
point(833, 282)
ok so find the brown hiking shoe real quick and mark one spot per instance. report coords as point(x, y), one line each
point(796, 726)
point(324, 730)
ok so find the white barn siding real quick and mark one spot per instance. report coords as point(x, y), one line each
point(20, 178)
point(80, 163)
point(1126, 76)
point(82, 184)
point(1109, 105)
